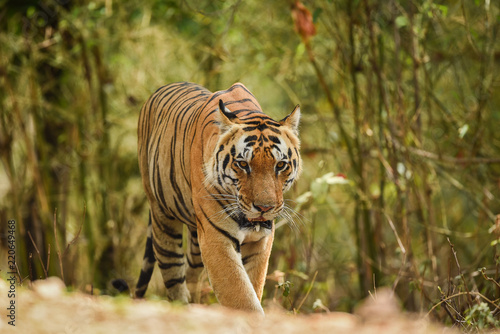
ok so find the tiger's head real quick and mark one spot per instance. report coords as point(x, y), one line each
point(256, 160)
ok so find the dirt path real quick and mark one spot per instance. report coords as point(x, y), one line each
point(47, 308)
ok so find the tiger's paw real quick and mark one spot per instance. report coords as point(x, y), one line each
point(179, 293)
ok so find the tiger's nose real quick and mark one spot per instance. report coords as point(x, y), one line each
point(263, 208)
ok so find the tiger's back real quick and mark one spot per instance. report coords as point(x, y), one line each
point(187, 143)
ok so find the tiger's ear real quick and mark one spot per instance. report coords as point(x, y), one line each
point(224, 118)
point(292, 120)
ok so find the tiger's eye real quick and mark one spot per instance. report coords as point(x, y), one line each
point(280, 164)
point(243, 164)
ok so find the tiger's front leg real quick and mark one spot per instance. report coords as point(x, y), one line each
point(221, 255)
point(255, 257)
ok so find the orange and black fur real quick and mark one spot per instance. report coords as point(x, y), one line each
point(216, 163)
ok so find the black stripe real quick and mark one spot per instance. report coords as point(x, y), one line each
point(233, 180)
point(197, 265)
point(149, 253)
point(140, 292)
point(220, 149)
point(247, 258)
point(162, 251)
point(176, 189)
point(167, 229)
point(225, 162)
point(161, 88)
point(183, 213)
point(142, 283)
point(159, 194)
point(241, 102)
point(262, 127)
point(275, 130)
point(225, 233)
point(254, 123)
point(274, 139)
point(169, 265)
point(194, 233)
point(174, 281)
point(250, 138)
point(222, 92)
point(194, 242)
point(271, 122)
point(145, 276)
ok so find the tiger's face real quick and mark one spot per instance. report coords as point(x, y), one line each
point(256, 161)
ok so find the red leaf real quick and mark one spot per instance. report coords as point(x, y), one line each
point(302, 18)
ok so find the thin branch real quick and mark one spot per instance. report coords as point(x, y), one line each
point(215, 13)
point(488, 278)
point(21, 280)
point(58, 249)
point(38, 253)
point(468, 29)
point(453, 319)
point(472, 293)
point(79, 230)
point(391, 224)
point(444, 158)
point(333, 105)
point(30, 257)
point(459, 270)
point(48, 257)
point(308, 291)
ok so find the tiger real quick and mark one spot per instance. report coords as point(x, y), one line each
point(213, 162)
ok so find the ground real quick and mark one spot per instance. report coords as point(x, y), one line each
point(46, 307)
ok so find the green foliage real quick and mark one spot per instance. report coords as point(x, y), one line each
point(479, 316)
point(285, 287)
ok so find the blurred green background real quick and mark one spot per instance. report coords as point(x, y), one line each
point(400, 139)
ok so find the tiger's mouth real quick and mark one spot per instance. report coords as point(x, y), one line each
point(255, 224)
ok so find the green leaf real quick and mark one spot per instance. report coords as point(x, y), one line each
point(299, 52)
point(30, 11)
point(286, 288)
point(286, 291)
point(401, 21)
point(443, 9)
point(317, 12)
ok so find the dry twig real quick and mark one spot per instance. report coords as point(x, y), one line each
point(308, 291)
point(473, 293)
point(38, 253)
